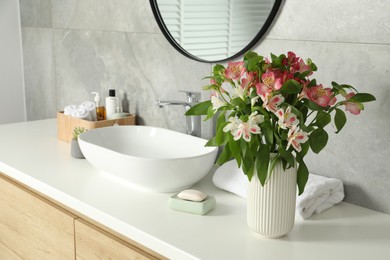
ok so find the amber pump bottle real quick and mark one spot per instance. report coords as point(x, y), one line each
point(100, 111)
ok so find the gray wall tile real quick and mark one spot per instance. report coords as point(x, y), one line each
point(118, 15)
point(362, 21)
point(38, 76)
point(35, 13)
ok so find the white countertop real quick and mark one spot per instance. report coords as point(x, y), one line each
point(31, 154)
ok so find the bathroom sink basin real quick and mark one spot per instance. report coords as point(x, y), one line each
point(151, 158)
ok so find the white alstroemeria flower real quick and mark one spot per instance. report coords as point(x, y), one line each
point(238, 92)
point(245, 129)
point(287, 119)
point(217, 101)
point(255, 119)
point(233, 125)
point(296, 137)
point(254, 100)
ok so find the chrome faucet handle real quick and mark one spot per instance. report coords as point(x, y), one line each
point(192, 96)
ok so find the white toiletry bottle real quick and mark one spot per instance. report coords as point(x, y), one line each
point(100, 111)
point(111, 103)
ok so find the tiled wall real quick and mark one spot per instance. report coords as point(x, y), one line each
point(74, 47)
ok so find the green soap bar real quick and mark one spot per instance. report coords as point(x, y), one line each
point(193, 207)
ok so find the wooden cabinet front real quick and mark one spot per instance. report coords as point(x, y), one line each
point(94, 243)
point(31, 227)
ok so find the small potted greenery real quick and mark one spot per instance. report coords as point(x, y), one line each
point(74, 146)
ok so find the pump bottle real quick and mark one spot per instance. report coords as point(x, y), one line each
point(100, 111)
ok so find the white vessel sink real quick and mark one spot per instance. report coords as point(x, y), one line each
point(152, 158)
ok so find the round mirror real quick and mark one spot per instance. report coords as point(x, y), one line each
point(214, 30)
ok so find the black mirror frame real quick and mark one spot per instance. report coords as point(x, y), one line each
point(171, 40)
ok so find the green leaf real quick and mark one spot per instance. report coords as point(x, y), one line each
point(362, 97)
point(290, 87)
point(248, 165)
point(217, 69)
point(211, 142)
point(221, 137)
point(312, 83)
point(322, 119)
point(266, 129)
point(302, 176)
point(313, 67)
point(250, 54)
point(238, 102)
point(273, 162)
point(339, 119)
point(318, 140)
point(305, 74)
point(252, 61)
point(199, 109)
point(342, 87)
point(224, 156)
point(210, 113)
point(287, 155)
point(262, 163)
point(305, 148)
point(311, 105)
point(277, 61)
point(235, 149)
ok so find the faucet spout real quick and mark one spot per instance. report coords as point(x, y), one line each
point(185, 104)
point(193, 123)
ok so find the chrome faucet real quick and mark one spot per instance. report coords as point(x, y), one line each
point(192, 122)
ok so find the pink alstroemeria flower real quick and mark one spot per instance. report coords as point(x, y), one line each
point(269, 83)
point(321, 96)
point(272, 103)
point(249, 81)
point(287, 119)
point(290, 59)
point(303, 93)
point(352, 107)
point(235, 70)
point(296, 137)
point(304, 67)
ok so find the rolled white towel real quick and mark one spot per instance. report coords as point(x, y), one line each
point(231, 178)
point(320, 192)
point(81, 113)
point(68, 110)
point(91, 107)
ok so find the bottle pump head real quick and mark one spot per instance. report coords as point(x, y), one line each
point(97, 98)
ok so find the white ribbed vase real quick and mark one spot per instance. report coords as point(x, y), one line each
point(271, 208)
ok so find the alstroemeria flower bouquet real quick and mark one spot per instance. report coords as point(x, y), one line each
point(274, 106)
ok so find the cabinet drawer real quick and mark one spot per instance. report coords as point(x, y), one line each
point(94, 243)
point(32, 227)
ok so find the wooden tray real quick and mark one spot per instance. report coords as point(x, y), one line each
point(66, 124)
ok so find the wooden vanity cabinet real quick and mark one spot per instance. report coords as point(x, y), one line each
point(32, 227)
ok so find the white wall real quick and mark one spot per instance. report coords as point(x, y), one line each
point(12, 105)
